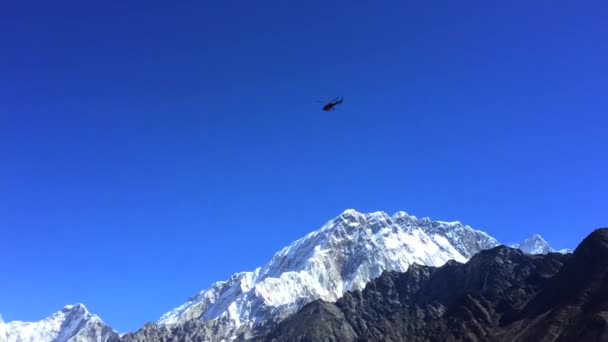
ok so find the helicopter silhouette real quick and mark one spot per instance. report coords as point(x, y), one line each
point(332, 104)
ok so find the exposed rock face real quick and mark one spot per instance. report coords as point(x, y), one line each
point(501, 294)
point(573, 306)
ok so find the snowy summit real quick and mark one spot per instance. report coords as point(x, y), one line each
point(343, 255)
point(72, 324)
point(537, 245)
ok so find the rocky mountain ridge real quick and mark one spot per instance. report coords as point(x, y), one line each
point(500, 294)
point(343, 255)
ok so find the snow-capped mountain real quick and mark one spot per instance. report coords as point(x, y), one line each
point(343, 255)
point(537, 245)
point(72, 324)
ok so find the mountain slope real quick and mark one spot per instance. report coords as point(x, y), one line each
point(501, 294)
point(72, 324)
point(345, 254)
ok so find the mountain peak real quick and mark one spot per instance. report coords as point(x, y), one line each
point(344, 254)
point(72, 323)
point(537, 238)
point(403, 216)
point(401, 213)
point(595, 245)
point(350, 212)
point(78, 307)
point(535, 244)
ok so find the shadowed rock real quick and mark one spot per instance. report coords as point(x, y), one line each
point(500, 294)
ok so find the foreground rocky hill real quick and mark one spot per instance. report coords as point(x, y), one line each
point(500, 294)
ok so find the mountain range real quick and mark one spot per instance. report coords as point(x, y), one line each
point(344, 255)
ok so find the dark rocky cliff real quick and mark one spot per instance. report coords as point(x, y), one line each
point(501, 294)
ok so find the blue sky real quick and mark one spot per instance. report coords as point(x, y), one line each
point(149, 149)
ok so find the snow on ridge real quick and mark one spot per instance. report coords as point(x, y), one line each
point(535, 244)
point(344, 254)
point(350, 212)
point(452, 223)
point(73, 322)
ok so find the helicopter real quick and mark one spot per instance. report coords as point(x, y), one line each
point(332, 104)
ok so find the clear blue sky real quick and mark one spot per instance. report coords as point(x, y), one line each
point(149, 149)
